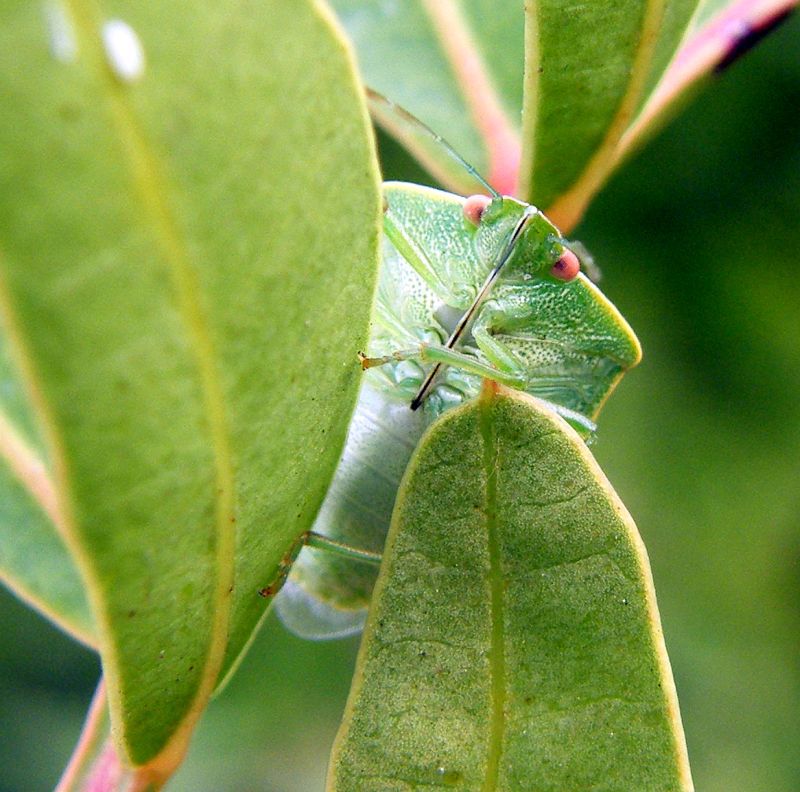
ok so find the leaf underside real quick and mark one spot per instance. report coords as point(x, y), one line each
point(34, 560)
point(514, 641)
point(175, 269)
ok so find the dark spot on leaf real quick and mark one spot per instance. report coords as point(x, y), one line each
point(69, 111)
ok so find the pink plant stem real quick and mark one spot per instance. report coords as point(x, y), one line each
point(703, 52)
point(85, 757)
point(500, 138)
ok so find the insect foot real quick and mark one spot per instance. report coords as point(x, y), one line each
point(368, 362)
point(284, 567)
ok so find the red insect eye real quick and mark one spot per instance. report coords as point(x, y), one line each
point(567, 267)
point(475, 206)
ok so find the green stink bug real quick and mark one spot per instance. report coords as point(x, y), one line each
point(467, 289)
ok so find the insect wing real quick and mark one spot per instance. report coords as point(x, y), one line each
point(572, 342)
point(405, 305)
point(310, 617)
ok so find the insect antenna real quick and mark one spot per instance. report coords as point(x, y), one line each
point(469, 314)
point(380, 106)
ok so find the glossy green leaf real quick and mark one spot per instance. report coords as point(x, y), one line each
point(181, 238)
point(514, 641)
point(589, 69)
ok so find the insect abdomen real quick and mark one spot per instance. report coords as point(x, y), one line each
point(356, 511)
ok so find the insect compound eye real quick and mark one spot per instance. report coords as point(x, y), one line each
point(567, 267)
point(475, 206)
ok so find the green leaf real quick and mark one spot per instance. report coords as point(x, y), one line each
point(34, 561)
point(457, 66)
point(708, 9)
point(188, 250)
point(589, 69)
point(514, 641)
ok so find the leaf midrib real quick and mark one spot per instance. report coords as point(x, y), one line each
point(497, 660)
point(28, 468)
point(530, 100)
point(148, 175)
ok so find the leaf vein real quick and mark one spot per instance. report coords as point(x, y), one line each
point(149, 176)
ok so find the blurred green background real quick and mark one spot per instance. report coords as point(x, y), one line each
point(698, 238)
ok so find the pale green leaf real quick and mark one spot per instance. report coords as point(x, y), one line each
point(457, 66)
point(514, 641)
point(707, 9)
point(34, 561)
point(188, 248)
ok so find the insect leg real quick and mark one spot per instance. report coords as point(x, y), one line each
point(471, 312)
point(496, 352)
point(503, 358)
point(284, 567)
point(443, 355)
point(320, 542)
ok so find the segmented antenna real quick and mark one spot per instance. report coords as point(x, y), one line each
point(381, 103)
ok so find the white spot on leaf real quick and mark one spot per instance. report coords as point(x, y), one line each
point(123, 50)
point(60, 33)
